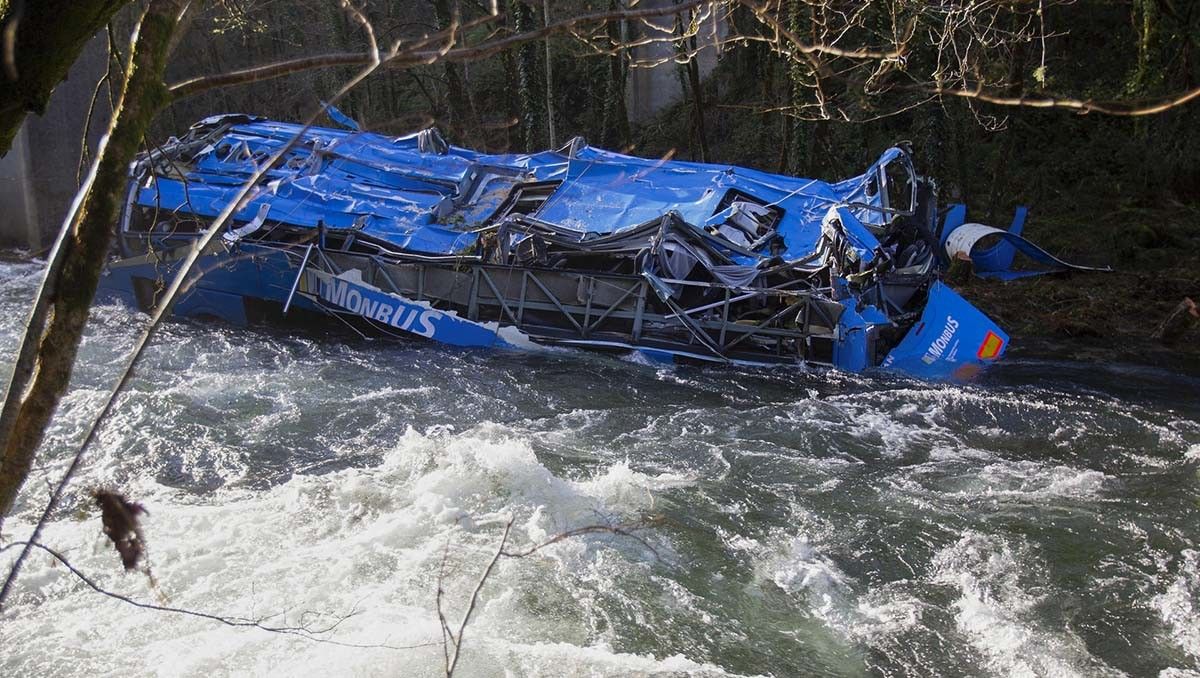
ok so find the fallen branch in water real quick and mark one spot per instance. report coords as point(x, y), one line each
point(452, 641)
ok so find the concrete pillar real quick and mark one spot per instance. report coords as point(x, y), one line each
point(651, 88)
point(38, 176)
point(19, 226)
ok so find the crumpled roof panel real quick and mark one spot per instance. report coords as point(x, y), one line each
point(391, 189)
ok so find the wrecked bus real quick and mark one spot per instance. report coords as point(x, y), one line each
point(410, 236)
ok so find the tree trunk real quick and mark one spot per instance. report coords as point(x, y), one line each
point(615, 125)
point(683, 73)
point(87, 246)
point(49, 34)
point(512, 103)
point(1004, 160)
point(798, 141)
point(549, 78)
point(456, 98)
point(690, 80)
point(522, 18)
point(693, 70)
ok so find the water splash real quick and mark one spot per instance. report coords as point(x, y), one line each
point(804, 522)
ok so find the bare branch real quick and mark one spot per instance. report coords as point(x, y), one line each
point(418, 53)
point(483, 577)
point(619, 530)
point(447, 634)
point(1125, 109)
point(303, 631)
point(808, 49)
point(452, 641)
point(199, 246)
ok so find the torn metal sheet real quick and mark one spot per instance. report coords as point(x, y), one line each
point(963, 241)
point(580, 246)
point(951, 336)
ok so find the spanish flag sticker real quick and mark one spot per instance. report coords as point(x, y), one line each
point(990, 348)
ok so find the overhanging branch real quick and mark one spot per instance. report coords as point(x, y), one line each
point(417, 53)
point(1082, 106)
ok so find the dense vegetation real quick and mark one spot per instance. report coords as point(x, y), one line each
point(755, 108)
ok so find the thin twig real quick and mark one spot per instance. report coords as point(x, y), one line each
point(1122, 109)
point(619, 530)
point(300, 631)
point(87, 121)
point(451, 641)
point(416, 54)
point(483, 577)
point(447, 635)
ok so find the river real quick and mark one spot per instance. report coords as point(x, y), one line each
point(1042, 521)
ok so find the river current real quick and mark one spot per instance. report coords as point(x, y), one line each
point(1044, 521)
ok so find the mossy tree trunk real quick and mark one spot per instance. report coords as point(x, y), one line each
point(550, 112)
point(615, 123)
point(49, 35)
point(796, 135)
point(458, 121)
point(512, 105)
point(87, 246)
point(527, 77)
point(697, 92)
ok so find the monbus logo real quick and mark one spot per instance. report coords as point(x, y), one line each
point(938, 347)
point(379, 307)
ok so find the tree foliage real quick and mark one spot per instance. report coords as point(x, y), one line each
point(811, 87)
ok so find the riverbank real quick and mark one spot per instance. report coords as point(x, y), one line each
point(1155, 255)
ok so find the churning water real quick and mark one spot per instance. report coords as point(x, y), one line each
point(1041, 522)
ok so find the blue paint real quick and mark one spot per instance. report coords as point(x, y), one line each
point(389, 190)
point(852, 351)
point(657, 357)
point(956, 216)
point(996, 261)
point(340, 117)
point(385, 187)
point(394, 312)
point(999, 257)
point(858, 236)
point(947, 340)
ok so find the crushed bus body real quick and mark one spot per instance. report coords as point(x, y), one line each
point(579, 247)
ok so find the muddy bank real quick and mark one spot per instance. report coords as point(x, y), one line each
point(1102, 316)
point(1095, 318)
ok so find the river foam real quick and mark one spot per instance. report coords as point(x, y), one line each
point(793, 522)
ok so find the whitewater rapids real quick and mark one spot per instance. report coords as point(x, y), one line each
point(1042, 522)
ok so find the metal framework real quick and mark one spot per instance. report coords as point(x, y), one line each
point(606, 310)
